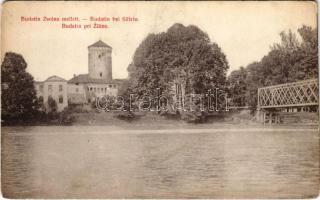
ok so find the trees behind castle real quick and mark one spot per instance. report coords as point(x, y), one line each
point(184, 53)
point(288, 61)
point(18, 98)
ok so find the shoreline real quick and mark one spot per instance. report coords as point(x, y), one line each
point(108, 129)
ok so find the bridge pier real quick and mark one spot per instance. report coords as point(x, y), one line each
point(265, 116)
point(260, 115)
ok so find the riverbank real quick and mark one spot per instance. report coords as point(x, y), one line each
point(240, 117)
point(152, 120)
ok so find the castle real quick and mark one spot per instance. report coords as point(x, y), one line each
point(84, 88)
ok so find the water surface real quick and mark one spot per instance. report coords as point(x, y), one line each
point(74, 162)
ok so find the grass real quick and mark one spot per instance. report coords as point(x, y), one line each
point(151, 120)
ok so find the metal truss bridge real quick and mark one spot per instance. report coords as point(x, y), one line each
point(296, 94)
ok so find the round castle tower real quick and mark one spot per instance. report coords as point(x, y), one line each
point(100, 61)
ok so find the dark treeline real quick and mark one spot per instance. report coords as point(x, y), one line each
point(291, 60)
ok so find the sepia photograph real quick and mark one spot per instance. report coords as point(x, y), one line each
point(159, 100)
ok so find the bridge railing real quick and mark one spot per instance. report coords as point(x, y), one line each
point(301, 93)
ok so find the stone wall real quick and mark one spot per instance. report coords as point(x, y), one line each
point(100, 63)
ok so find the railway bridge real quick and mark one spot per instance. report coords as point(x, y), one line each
point(277, 101)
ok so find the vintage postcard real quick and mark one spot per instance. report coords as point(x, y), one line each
point(172, 99)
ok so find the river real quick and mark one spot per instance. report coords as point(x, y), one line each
point(230, 162)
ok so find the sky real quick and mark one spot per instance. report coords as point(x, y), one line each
point(244, 30)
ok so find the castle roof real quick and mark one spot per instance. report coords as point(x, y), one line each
point(55, 79)
point(84, 78)
point(100, 44)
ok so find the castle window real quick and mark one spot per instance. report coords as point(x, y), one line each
point(105, 90)
point(60, 88)
point(60, 99)
point(110, 86)
point(100, 74)
point(50, 88)
point(77, 89)
point(100, 55)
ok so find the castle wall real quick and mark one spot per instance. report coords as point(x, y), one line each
point(100, 63)
point(76, 94)
point(85, 88)
point(57, 90)
point(100, 90)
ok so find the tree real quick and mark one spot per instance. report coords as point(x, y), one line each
point(306, 67)
point(288, 61)
point(19, 101)
point(40, 101)
point(181, 52)
point(238, 86)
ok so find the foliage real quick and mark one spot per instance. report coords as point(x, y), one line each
point(238, 86)
point(194, 111)
point(124, 115)
point(77, 109)
point(52, 105)
point(181, 53)
point(19, 103)
point(18, 98)
point(65, 117)
point(288, 61)
point(40, 102)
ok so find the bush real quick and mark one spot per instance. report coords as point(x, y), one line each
point(193, 117)
point(65, 118)
point(124, 115)
point(52, 105)
point(93, 104)
point(77, 109)
point(195, 111)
